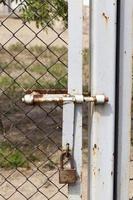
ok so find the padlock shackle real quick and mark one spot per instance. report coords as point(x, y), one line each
point(63, 155)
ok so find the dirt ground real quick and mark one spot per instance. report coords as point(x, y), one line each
point(40, 181)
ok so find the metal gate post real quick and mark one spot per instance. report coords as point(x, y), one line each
point(124, 98)
point(72, 118)
point(103, 67)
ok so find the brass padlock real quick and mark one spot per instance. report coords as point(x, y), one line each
point(68, 175)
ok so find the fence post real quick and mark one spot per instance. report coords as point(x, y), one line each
point(72, 114)
point(124, 98)
point(103, 67)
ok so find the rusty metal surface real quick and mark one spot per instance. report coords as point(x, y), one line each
point(47, 91)
point(52, 91)
point(37, 98)
point(67, 175)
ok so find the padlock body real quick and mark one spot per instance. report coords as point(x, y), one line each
point(67, 176)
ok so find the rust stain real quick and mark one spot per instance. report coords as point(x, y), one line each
point(96, 171)
point(105, 17)
point(52, 91)
point(125, 52)
point(95, 149)
point(47, 91)
point(81, 176)
point(37, 96)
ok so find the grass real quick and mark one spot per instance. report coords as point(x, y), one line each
point(58, 70)
point(17, 47)
point(11, 157)
point(36, 71)
point(27, 70)
point(5, 81)
point(38, 68)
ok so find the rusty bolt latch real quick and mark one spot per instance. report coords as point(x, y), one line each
point(35, 98)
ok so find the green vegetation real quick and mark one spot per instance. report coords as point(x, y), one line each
point(34, 67)
point(10, 157)
point(43, 68)
point(17, 47)
point(5, 81)
point(43, 12)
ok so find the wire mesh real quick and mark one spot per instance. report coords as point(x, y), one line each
point(30, 136)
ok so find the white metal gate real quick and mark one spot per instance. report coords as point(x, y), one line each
point(111, 63)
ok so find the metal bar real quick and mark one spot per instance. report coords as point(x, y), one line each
point(125, 84)
point(47, 91)
point(101, 136)
point(62, 98)
point(72, 132)
point(52, 91)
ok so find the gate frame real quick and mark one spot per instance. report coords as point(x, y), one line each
point(103, 18)
point(120, 27)
point(123, 99)
point(108, 57)
point(72, 114)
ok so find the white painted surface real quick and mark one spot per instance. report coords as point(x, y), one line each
point(72, 125)
point(86, 2)
point(126, 47)
point(75, 46)
point(101, 136)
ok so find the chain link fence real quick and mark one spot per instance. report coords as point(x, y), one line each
point(30, 136)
